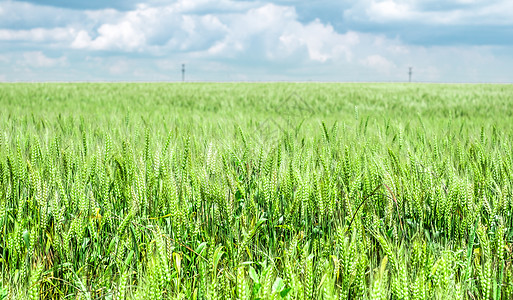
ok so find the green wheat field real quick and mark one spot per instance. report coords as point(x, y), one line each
point(256, 191)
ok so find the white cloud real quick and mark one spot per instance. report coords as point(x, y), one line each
point(500, 13)
point(38, 60)
point(122, 36)
point(392, 46)
point(389, 10)
point(103, 15)
point(38, 34)
point(322, 41)
point(25, 15)
point(216, 6)
point(379, 63)
point(446, 13)
point(273, 32)
point(82, 40)
point(150, 29)
point(268, 31)
point(253, 40)
point(127, 35)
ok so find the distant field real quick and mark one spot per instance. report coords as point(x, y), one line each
point(256, 191)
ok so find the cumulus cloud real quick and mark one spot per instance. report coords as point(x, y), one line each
point(275, 33)
point(458, 12)
point(38, 35)
point(378, 62)
point(389, 10)
point(121, 36)
point(269, 31)
point(259, 40)
point(150, 28)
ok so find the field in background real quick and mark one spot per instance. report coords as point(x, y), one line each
point(247, 191)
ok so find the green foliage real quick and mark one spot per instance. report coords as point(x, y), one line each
point(256, 191)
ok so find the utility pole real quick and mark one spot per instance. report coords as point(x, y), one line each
point(183, 72)
point(409, 73)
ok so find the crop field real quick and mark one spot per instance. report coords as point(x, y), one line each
point(256, 191)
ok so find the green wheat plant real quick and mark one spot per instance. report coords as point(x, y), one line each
point(256, 191)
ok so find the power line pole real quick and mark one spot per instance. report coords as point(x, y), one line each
point(183, 72)
point(409, 73)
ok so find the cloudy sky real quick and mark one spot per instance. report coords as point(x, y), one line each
point(231, 40)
